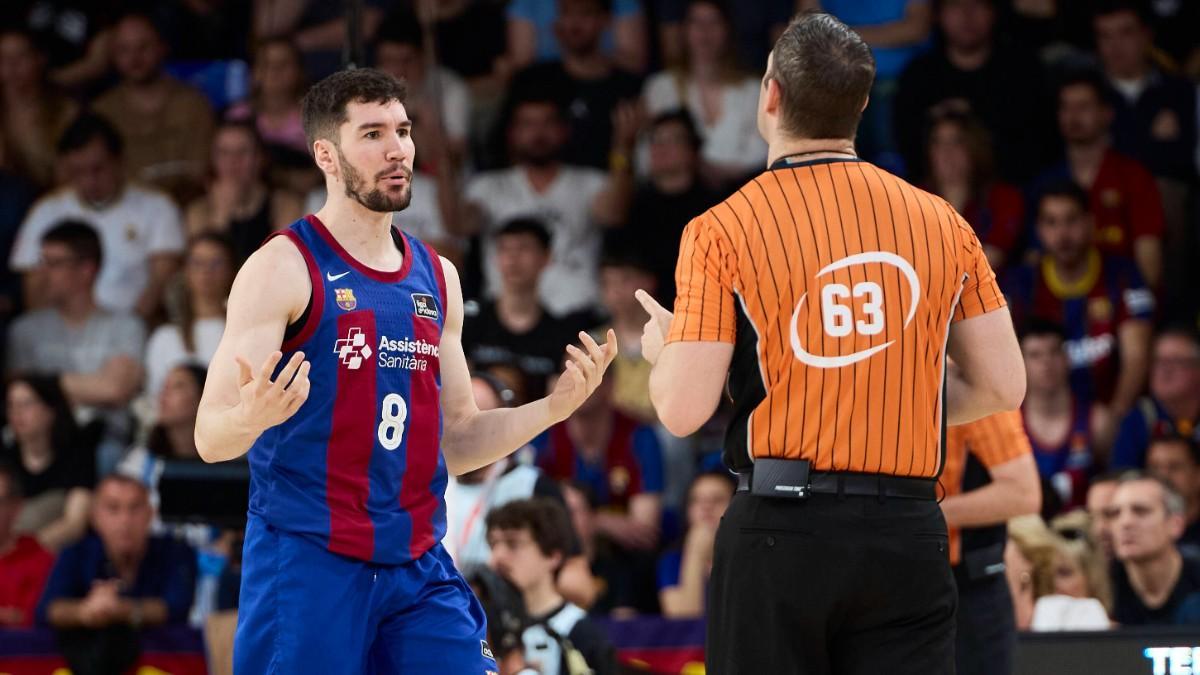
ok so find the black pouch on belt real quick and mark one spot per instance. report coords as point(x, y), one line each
point(782, 478)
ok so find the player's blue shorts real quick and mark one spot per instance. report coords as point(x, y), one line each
point(307, 610)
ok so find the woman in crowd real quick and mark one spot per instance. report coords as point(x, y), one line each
point(278, 86)
point(32, 113)
point(961, 171)
point(193, 335)
point(683, 572)
point(56, 468)
point(239, 204)
point(721, 97)
point(1053, 585)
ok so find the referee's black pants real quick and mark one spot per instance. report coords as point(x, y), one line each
point(831, 584)
point(986, 638)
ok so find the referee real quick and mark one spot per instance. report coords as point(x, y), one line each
point(827, 293)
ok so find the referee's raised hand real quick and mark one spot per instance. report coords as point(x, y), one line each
point(656, 328)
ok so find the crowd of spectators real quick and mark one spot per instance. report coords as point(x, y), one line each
point(147, 148)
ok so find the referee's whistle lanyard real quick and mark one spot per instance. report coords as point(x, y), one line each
point(799, 157)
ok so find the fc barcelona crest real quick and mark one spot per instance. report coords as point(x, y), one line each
point(345, 298)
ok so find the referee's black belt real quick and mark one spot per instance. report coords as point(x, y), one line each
point(784, 478)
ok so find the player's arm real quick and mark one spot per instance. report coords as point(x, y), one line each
point(472, 437)
point(988, 375)
point(1002, 446)
point(240, 400)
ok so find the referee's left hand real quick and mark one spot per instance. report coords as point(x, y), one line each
point(654, 333)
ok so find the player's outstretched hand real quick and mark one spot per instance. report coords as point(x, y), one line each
point(266, 403)
point(585, 368)
point(654, 333)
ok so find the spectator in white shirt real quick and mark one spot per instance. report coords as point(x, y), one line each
point(140, 229)
point(720, 96)
point(192, 335)
point(571, 201)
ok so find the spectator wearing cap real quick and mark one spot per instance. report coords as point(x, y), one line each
point(24, 564)
point(117, 581)
point(1122, 194)
point(1176, 461)
point(32, 113)
point(166, 125)
point(572, 202)
point(1100, 300)
point(515, 329)
point(591, 86)
point(970, 70)
point(1172, 408)
point(140, 228)
point(95, 353)
point(1151, 578)
point(670, 196)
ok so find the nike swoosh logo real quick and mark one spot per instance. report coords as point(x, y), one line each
point(335, 277)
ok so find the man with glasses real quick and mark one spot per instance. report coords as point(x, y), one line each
point(94, 352)
point(1173, 406)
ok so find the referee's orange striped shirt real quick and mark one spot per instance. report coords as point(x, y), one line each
point(836, 282)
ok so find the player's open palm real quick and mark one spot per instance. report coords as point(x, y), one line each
point(267, 402)
point(584, 371)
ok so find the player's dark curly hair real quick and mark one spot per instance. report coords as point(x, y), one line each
point(323, 109)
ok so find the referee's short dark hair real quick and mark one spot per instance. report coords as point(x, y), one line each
point(531, 227)
point(323, 109)
point(825, 72)
point(88, 127)
point(547, 522)
point(79, 237)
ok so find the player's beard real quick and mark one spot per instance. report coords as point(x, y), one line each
point(376, 200)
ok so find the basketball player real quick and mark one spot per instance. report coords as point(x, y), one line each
point(341, 372)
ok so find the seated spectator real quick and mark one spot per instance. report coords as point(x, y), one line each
point(1177, 462)
point(1027, 556)
point(24, 564)
point(1061, 593)
point(96, 354)
point(471, 496)
point(591, 87)
point(624, 580)
point(172, 438)
point(53, 463)
point(618, 459)
point(972, 70)
point(683, 571)
point(1151, 579)
point(667, 201)
point(140, 228)
point(166, 125)
point(961, 172)
point(238, 202)
point(199, 320)
point(274, 105)
point(1100, 300)
point(318, 28)
point(622, 273)
point(572, 201)
point(1172, 407)
point(1064, 429)
point(117, 581)
point(32, 113)
point(722, 99)
point(435, 93)
point(1122, 195)
point(1099, 497)
point(1080, 568)
point(515, 329)
point(532, 34)
point(529, 540)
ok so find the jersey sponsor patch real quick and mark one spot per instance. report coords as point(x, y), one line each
point(424, 306)
point(353, 349)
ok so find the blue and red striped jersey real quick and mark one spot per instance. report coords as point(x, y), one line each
point(359, 467)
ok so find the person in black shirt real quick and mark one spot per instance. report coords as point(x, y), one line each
point(55, 466)
point(529, 540)
point(586, 82)
point(663, 206)
point(514, 330)
point(1151, 578)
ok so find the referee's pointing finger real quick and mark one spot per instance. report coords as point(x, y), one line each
point(649, 303)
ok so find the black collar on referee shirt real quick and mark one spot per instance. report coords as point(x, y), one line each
point(793, 161)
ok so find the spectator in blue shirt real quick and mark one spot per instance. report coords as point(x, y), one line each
point(1173, 406)
point(116, 581)
point(531, 35)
